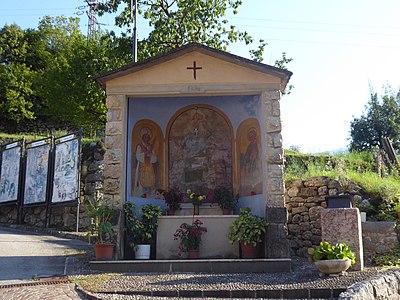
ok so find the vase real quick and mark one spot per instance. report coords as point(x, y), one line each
point(333, 266)
point(196, 209)
point(143, 252)
point(250, 251)
point(171, 212)
point(193, 253)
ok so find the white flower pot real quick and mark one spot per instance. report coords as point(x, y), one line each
point(333, 266)
point(142, 252)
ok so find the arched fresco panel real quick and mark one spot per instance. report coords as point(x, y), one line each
point(147, 158)
point(200, 149)
point(249, 153)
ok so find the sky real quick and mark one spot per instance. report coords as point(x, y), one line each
point(340, 48)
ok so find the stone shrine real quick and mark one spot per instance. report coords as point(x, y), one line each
point(197, 118)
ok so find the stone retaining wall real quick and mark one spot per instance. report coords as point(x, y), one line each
point(65, 217)
point(379, 238)
point(306, 198)
point(385, 286)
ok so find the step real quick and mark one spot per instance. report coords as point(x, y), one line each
point(194, 265)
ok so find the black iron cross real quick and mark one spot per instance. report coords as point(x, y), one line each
point(194, 68)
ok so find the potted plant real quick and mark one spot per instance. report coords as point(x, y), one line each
point(196, 200)
point(225, 199)
point(173, 200)
point(142, 229)
point(101, 226)
point(332, 259)
point(248, 230)
point(397, 209)
point(190, 238)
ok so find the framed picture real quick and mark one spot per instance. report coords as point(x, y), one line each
point(66, 169)
point(37, 171)
point(10, 171)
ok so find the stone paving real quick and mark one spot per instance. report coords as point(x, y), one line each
point(52, 291)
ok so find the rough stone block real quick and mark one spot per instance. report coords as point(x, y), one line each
point(274, 125)
point(114, 128)
point(276, 215)
point(277, 244)
point(114, 115)
point(275, 186)
point(276, 200)
point(275, 171)
point(115, 101)
point(113, 156)
point(343, 225)
point(113, 171)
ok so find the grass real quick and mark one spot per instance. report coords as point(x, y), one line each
point(8, 138)
point(355, 167)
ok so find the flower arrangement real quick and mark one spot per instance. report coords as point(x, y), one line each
point(225, 198)
point(196, 199)
point(173, 199)
point(190, 236)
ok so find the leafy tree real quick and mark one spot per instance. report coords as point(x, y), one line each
point(45, 74)
point(381, 119)
point(178, 22)
point(16, 76)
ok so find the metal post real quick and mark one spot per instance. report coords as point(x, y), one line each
point(134, 17)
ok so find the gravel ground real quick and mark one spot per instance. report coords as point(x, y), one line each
point(304, 276)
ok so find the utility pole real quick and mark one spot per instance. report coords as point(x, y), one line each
point(134, 17)
point(92, 25)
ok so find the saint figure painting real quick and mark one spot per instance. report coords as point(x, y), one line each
point(147, 156)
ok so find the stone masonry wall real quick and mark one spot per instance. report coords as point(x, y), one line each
point(306, 198)
point(64, 217)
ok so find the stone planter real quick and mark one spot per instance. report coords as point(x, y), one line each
point(333, 266)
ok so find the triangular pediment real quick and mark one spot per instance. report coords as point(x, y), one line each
point(195, 64)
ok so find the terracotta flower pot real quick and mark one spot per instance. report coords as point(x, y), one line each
point(193, 253)
point(171, 212)
point(226, 211)
point(104, 251)
point(250, 251)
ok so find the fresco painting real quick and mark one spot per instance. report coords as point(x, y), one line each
point(37, 160)
point(200, 149)
point(249, 149)
point(147, 159)
point(9, 179)
point(66, 171)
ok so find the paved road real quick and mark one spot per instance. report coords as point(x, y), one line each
point(25, 256)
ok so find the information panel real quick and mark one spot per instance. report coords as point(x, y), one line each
point(66, 170)
point(10, 172)
point(37, 167)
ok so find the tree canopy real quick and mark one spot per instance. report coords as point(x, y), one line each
point(380, 119)
point(46, 73)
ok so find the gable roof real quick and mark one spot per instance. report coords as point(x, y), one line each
point(284, 75)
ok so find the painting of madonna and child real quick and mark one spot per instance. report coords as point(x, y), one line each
point(197, 146)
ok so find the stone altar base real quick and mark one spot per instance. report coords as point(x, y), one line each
point(214, 244)
point(343, 225)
